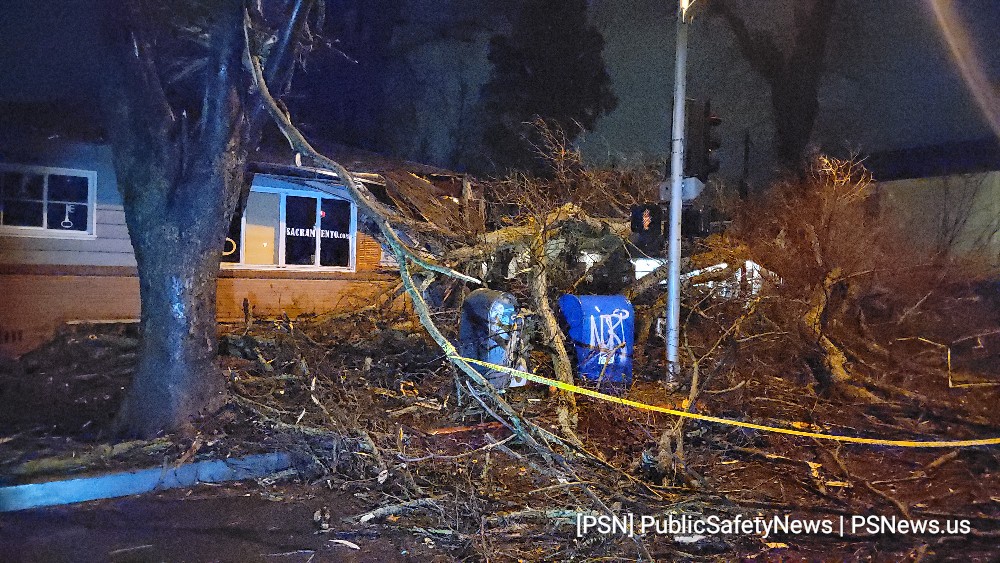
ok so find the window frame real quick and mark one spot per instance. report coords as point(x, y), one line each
point(317, 193)
point(44, 231)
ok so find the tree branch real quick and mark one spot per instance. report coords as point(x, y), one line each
point(369, 206)
point(280, 60)
point(220, 104)
point(810, 37)
point(143, 66)
point(758, 48)
point(138, 119)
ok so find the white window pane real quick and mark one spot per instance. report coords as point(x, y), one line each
point(70, 189)
point(261, 236)
point(20, 213)
point(67, 216)
point(21, 201)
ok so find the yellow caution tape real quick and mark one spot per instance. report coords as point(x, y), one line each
point(630, 403)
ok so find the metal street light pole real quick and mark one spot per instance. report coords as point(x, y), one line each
point(676, 184)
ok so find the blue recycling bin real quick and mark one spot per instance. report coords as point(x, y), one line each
point(602, 330)
point(490, 331)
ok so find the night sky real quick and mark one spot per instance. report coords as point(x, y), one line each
point(47, 50)
point(890, 81)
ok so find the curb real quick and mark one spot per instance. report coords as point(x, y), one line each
point(35, 495)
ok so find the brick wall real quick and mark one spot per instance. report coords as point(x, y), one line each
point(368, 253)
point(39, 299)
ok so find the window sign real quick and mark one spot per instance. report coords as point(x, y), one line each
point(296, 228)
point(231, 247)
point(43, 201)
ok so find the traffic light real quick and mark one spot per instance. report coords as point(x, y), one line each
point(700, 141)
point(647, 223)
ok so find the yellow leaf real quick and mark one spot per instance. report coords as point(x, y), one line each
point(814, 468)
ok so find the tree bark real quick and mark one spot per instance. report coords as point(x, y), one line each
point(177, 378)
point(566, 402)
point(831, 359)
point(179, 156)
point(179, 167)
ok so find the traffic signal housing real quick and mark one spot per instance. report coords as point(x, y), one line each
point(647, 223)
point(700, 140)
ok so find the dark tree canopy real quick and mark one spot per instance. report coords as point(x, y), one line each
point(550, 67)
point(341, 93)
point(792, 72)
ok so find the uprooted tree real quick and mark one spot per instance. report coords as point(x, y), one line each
point(181, 118)
point(822, 240)
point(841, 287)
point(567, 233)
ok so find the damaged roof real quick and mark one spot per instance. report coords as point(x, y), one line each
point(450, 202)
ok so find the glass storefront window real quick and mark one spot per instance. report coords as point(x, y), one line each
point(284, 228)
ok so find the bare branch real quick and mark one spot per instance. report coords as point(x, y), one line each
point(219, 122)
point(281, 59)
point(758, 48)
point(369, 206)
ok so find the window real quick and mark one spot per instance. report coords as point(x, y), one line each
point(42, 201)
point(293, 228)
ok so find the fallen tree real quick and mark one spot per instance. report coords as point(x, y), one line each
point(809, 239)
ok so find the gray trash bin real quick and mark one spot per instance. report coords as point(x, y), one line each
point(490, 331)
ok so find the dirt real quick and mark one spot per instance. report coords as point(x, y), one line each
point(392, 386)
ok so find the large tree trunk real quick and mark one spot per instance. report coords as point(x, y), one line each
point(178, 261)
point(180, 147)
point(179, 166)
point(794, 106)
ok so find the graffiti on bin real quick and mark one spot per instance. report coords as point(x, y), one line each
point(607, 335)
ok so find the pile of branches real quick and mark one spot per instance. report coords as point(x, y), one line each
point(531, 474)
point(539, 238)
point(375, 410)
point(842, 296)
point(826, 261)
